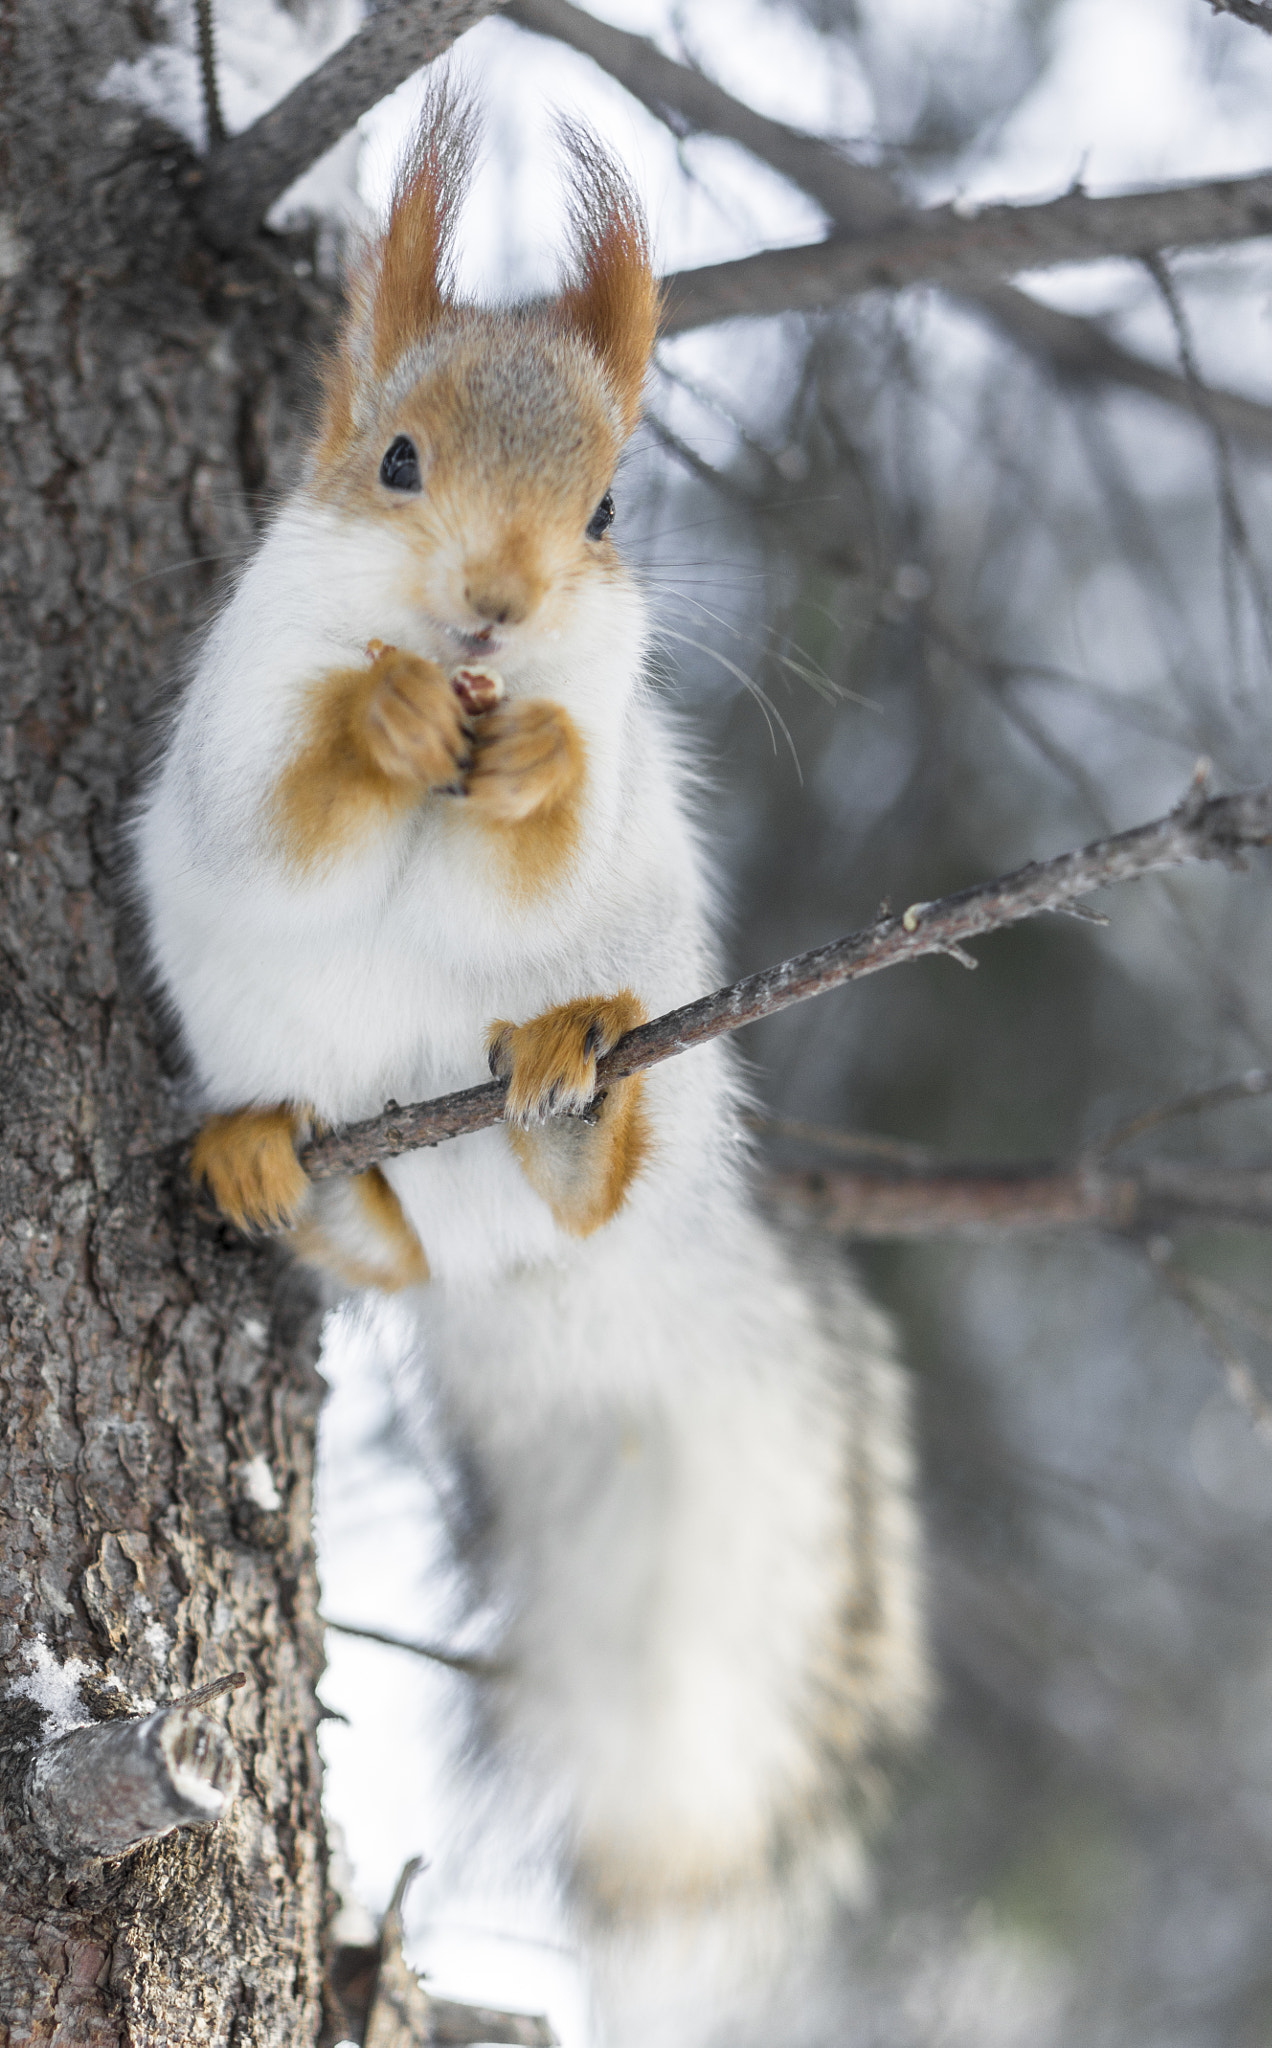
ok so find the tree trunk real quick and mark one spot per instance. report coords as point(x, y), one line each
point(158, 1397)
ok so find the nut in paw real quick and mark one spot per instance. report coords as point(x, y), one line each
point(478, 689)
point(550, 1063)
point(416, 728)
point(248, 1160)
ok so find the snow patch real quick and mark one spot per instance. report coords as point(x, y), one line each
point(55, 1688)
point(258, 1485)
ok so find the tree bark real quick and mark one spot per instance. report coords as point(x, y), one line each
point(160, 1397)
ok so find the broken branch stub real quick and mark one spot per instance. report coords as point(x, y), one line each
point(102, 1790)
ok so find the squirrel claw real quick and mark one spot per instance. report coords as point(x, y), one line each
point(248, 1161)
point(550, 1063)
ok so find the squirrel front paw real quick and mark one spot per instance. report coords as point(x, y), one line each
point(550, 1063)
point(579, 1149)
point(526, 758)
point(248, 1160)
point(416, 727)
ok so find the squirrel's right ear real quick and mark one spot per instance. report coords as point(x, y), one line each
point(404, 280)
point(613, 300)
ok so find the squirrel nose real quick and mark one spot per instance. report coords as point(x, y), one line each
point(504, 601)
point(505, 587)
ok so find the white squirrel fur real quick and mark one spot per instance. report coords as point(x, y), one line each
point(688, 1439)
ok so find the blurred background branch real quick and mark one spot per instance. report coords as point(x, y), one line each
point(859, 198)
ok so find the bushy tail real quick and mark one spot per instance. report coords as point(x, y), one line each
point(703, 1544)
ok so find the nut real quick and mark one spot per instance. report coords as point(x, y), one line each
point(478, 689)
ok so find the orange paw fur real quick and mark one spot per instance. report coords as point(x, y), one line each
point(527, 758)
point(579, 1149)
point(416, 728)
point(357, 1230)
point(550, 1063)
point(374, 740)
point(248, 1160)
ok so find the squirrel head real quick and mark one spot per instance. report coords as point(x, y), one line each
point(487, 440)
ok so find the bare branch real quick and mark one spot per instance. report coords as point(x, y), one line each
point(100, 1790)
point(214, 120)
point(854, 195)
point(216, 1688)
point(454, 1660)
point(1243, 1089)
point(1256, 12)
point(860, 197)
point(1080, 351)
point(402, 2014)
point(955, 249)
point(1198, 829)
point(244, 177)
point(998, 1201)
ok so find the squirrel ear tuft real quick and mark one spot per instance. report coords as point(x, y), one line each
point(613, 299)
point(411, 278)
point(402, 283)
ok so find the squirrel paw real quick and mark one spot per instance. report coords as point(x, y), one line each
point(248, 1160)
point(550, 1063)
point(526, 757)
point(416, 726)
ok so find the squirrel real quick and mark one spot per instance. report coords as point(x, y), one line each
point(418, 813)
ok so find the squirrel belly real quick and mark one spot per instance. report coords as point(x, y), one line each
point(369, 873)
point(376, 972)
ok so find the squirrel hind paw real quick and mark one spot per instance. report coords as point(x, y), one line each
point(248, 1161)
point(550, 1062)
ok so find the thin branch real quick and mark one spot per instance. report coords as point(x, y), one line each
point(859, 198)
point(1207, 1305)
point(244, 177)
point(854, 195)
point(998, 1201)
point(214, 120)
point(454, 1660)
point(203, 1695)
point(897, 1152)
point(1079, 351)
point(1256, 12)
point(1200, 828)
point(401, 2013)
point(947, 246)
point(1244, 1089)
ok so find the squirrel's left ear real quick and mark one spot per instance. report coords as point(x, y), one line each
point(613, 299)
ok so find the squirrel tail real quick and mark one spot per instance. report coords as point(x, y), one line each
point(705, 1551)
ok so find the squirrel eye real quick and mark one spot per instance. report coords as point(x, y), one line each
point(602, 517)
point(400, 469)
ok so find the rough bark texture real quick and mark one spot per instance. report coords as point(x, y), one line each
point(147, 1364)
point(246, 175)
